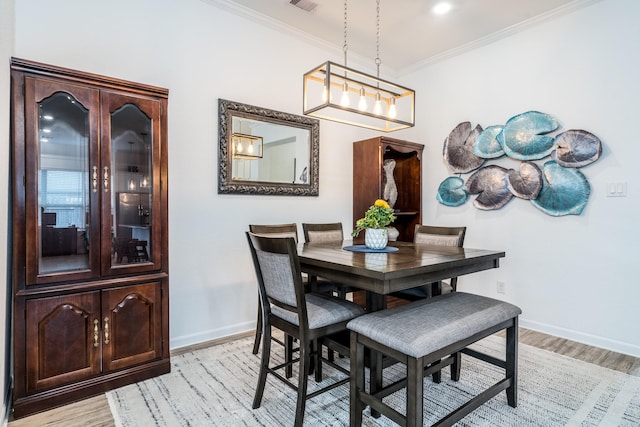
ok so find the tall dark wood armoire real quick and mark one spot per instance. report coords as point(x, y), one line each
point(369, 179)
point(90, 286)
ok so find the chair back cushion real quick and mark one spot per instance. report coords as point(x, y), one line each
point(275, 230)
point(437, 239)
point(325, 236)
point(280, 234)
point(277, 276)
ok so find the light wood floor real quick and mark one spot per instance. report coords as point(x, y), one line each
point(94, 412)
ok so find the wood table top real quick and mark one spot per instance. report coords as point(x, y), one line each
point(413, 264)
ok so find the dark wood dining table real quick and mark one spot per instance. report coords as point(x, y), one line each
point(380, 273)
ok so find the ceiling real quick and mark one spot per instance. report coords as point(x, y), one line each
point(410, 33)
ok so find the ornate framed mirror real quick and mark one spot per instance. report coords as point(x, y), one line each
point(263, 151)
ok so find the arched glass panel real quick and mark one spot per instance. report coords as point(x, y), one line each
point(63, 184)
point(132, 184)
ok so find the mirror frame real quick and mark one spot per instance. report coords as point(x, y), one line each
point(227, 185)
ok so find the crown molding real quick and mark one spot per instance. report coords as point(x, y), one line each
point(501, 34)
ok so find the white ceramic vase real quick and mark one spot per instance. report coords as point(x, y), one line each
point(376, 238)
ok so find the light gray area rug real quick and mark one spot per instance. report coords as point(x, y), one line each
point(215, 387)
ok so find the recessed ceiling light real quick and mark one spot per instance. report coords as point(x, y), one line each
point(441, 8)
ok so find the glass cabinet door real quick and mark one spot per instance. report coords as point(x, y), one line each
point(62, 186)
point(130, 136)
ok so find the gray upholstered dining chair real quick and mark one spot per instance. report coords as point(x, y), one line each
point(308, 317)
point(285, 230)
point(272, 230)
point(439, 236)
point(323, 232)
point(326, 232)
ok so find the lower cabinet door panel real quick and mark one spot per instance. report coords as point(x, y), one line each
point(132, 325)
point(63, 339)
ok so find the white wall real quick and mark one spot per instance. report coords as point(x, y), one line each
point(6, 49)
point(573, 276)
point(201, 53)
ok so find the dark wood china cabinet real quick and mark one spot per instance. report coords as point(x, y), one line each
point(89, 234)
point(369, 179)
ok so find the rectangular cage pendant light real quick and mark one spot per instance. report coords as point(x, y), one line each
point(248, 147)
point(341, 94)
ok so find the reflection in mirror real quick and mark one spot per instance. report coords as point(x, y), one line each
point(266, 152)
point(63, 184)
point(132, 184)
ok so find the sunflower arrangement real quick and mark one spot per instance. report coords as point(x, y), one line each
point(377, 216)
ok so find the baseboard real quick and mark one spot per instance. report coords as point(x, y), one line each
point(177, 343)
point(241, 329)
point(581, 337)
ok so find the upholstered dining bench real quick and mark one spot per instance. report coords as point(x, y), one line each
point(427, 336)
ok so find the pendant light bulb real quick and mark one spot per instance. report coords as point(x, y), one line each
point(239, 147)
point(377, 106)
point(344, 100)
point(250, 148)
point(362, 103)
point(393, 111)
point(326, 91)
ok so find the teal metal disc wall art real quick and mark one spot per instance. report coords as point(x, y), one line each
point(565, 191)
point(577, 148)
point(526, 182)
point(451, 192)
point(523, 135)
point(557, 188)
point(487, 145)
point(458, 149)
point(491, 184)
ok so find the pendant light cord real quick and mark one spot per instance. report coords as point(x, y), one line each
point(378, 61)
point(344, 46)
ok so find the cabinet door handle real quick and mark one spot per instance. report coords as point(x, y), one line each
point(95, 179)
point(96, 332)
point(106, 330)
point(106, 178)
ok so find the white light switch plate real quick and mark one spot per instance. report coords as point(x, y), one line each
point(616, 189)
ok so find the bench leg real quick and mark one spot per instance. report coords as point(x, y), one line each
point(436, 377)
point(375, 376)
point(512, 363)
point(356, 384)
point(414, 392)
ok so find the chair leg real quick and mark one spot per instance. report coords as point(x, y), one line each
point(288, 355)
point(303, 375)
point(512, 364)
point(264, 367)
point(316, 353)
point(256, 339)
point(455, 367)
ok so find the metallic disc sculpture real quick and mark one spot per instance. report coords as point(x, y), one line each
point(557, 187)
